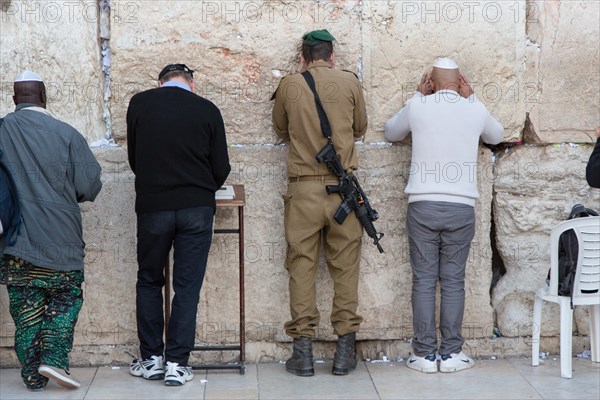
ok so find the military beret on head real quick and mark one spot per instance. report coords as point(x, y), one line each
point(175, 67)
point(316, 37)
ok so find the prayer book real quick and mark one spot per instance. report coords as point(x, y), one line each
point(225, 193)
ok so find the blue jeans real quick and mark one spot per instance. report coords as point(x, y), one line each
point(440, 236)
point(189, 232)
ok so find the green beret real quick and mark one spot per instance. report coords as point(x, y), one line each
point(316, 37)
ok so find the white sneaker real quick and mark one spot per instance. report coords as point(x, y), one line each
point(151, 368)
point(455, 362)
point(177, 375)
point(63, 377)
point(426, 364)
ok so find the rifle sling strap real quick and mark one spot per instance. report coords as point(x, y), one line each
point(325, 127)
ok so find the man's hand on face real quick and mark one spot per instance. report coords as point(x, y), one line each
point(465, 89)
point(598, 132)
point(425, 85)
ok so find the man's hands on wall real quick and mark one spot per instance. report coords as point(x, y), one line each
point(465, 89)
point(425, 85)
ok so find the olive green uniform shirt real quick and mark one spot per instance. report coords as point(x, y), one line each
point(296, 121)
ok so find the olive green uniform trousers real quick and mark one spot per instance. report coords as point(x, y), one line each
point(308, 220)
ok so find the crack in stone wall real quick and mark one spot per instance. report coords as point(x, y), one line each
point(105, 56)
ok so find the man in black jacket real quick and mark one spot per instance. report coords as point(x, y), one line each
point(178, 151)
point(592, 171)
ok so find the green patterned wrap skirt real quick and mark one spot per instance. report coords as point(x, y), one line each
point(44, 305)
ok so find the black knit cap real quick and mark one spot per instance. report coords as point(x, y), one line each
point(175, 67)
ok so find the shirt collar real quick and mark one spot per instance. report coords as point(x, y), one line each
point(33, 107)
point(442, 91)
point(319, 63)
point(178, 84)
point(451, 95)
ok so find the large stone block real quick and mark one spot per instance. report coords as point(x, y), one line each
point(535, 188)
point(239, 50)
point(108, 315)
point(261, 170)
point(581, 320)
point(402, 39)
point(386, 289)
point(515, 317)
point(58, 41)
point(567, 106)
point(383, 296)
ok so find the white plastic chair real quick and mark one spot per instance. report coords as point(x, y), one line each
point(587, 278)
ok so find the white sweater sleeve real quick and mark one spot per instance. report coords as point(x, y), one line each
point(493, 132)
point(398, 127)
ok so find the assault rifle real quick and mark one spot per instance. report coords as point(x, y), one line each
point(353, 197)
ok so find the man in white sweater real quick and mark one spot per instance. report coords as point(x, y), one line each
point(446, 121)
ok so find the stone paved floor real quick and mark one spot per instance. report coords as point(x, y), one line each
point(489, 379)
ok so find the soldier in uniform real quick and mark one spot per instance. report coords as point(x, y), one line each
point(309, 210)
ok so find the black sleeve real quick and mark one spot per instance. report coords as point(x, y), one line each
point(219, 157)
point(131, 135)
point(592, 171)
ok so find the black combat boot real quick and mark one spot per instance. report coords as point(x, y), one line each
point(345, 354)
point(301, 362)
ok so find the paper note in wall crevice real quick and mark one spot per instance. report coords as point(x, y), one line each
point(225, 193)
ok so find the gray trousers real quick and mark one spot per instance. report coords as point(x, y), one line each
point(440, 235)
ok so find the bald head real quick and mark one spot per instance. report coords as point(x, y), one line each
point(445, 75)
point(444, 78)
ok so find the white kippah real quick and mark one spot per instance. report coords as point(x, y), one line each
point(28, 76)
point(445, 63)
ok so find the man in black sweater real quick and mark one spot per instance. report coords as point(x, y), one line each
point(178, 151)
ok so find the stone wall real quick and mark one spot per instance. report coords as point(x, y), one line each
point(535, 188)
point(532, 63)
